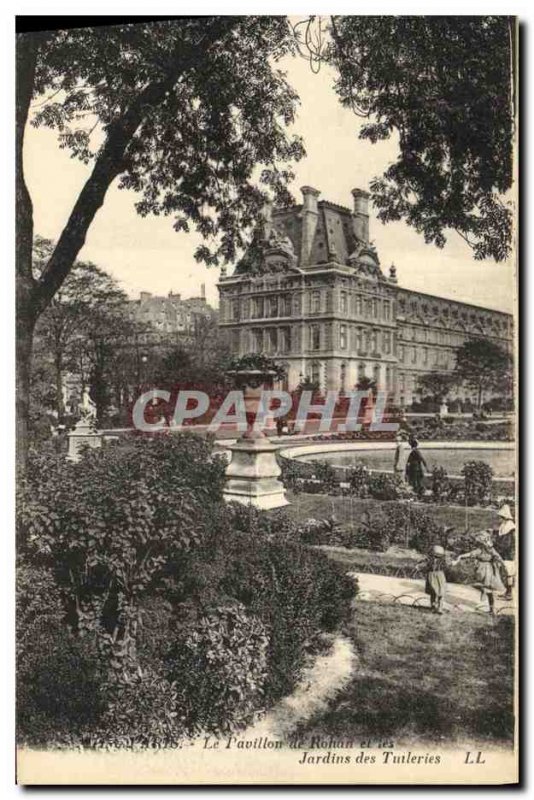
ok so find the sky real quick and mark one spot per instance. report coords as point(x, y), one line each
point(146, 254)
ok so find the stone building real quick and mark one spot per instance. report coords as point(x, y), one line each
point(169, 317)
point(311, 293)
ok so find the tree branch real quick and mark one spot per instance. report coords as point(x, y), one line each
point(110, 163)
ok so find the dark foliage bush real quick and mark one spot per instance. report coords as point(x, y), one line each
point(219, 665)
point(383, 486)
point(107, 526)
point(169, 610)
point(295, 592)
point(478, 477)
point(358, 480)
point(440, 485)
point(58, 674)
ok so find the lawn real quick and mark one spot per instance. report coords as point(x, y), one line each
point(320, 506)
point(423, 678)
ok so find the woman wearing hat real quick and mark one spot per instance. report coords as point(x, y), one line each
point(505, 546)
point(488, 567)
point(414, 467)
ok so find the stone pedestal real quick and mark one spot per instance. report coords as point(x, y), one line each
point(84, 434)
point(253, 474)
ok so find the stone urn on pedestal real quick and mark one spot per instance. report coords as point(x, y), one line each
point(252, 476)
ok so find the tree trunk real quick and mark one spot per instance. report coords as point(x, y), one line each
point(25, 283)
point(24, 345)
point(60, 406)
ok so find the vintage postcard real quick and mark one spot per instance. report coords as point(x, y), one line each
point(266, 294)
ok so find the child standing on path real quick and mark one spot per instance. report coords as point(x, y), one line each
point(488, 567)
point(436, 583)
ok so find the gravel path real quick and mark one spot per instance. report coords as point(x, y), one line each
point(406, 591)
point(320, 682)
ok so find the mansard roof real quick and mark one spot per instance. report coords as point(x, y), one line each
point(325, 233)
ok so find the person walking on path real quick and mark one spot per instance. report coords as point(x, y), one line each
point(436, 583)
point(488, 567)
point(414, 467)
point(505, 545)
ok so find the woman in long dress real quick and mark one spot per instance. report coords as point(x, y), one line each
point(488, 565)
point(505, 546)
point(414, 467)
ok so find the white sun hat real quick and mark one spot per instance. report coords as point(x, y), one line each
point(504, 512)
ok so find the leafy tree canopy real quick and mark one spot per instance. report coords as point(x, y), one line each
point(443, 85)
point(437, 384)
point(222, 113)
point(484, 366)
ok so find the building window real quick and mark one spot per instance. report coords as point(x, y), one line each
point(315, 337)
point(375, 308)
point(343, 337)
point(343, 302)
point(387, 310)
point(257, 307)
point(342, 377)
point(414, 355)
point(315, 373)
point(315, 302)
point(359, 305)
point(284, 340)
point(387, 342)
point(272, 342)
point(272, 306)
point(374, 341)
point(286, 305)
point(359, 342)
point(425, 355)
point(257, 341)
point(235, 309)
point(376, 375)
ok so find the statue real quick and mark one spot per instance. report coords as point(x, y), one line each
point(278, 240)
point(87, 409)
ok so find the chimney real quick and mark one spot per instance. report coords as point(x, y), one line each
point(203, 292)
point(310, 214)
point(144, 296)
point(360, 214)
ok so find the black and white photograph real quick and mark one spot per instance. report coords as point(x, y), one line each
point(267, 511)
